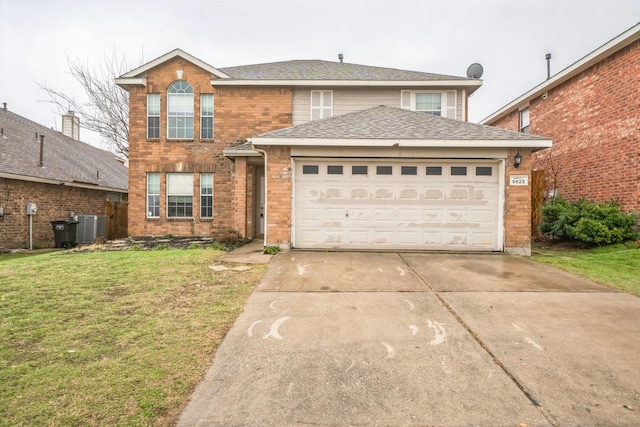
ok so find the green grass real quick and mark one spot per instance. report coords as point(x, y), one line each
point(617, 266)
point(111, 338)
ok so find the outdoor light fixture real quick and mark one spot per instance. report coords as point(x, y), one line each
point(518, 160)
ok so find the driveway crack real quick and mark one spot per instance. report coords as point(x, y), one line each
point(475, 336)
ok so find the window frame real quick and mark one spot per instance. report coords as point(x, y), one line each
point(448, 102)
point(322, 109)
point(155, 116)
point(174, 204)
point(206, 196)
point(182, 101)
point(155, 195)
point(205, 115)
point(524, 120)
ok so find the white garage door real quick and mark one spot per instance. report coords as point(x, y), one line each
point(424, 204)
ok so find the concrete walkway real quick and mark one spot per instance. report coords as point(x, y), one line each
point(368, 339)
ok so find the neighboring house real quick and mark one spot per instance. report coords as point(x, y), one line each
point(591, 109)
point(61, 175)
point(303, 154)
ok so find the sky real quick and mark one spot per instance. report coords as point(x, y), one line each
point(509, 38)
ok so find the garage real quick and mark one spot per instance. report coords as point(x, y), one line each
point(422, 204)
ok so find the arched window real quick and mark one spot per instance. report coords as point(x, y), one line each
point(180, 111)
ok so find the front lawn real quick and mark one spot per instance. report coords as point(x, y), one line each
point(111, 338)
point(617, 266)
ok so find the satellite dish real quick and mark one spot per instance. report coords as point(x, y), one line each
point(474, 71)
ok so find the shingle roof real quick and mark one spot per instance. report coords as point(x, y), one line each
point(327, 70)
point(65, 159)
point(395, 123)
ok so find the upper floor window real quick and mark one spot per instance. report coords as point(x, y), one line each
point(180, 111)
point(433, 102)
point(153, 115)
point(524, 120)
point(206, 116)
point(321, 104)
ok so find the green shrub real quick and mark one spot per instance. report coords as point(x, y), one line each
point(271, 250)
point(598, 223)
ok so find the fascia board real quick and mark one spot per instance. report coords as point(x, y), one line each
point(341, 83)
point(455, 143)
point(129, 82)
point(571, 71)
point(240, 153)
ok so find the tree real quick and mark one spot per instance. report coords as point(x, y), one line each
point(107, 109)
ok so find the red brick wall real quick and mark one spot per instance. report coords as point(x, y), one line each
point(54, 202)
point(238, 114)
point(517, 209)
point(279, 191)
point(594, 120)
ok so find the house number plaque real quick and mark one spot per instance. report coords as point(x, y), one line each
point(518, 179)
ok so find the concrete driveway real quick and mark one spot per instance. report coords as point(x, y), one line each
point(370, 339)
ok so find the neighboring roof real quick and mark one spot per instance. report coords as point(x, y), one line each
point(242, 149)
point(65, 160)
point(387, 126)
point(604, 51)
point(305, 73)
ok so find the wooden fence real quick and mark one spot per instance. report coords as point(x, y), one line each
point(117, 219)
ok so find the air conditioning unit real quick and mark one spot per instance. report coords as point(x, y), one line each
point(90, 227)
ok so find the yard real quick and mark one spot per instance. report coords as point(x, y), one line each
point(122, 338)
point(111, 338)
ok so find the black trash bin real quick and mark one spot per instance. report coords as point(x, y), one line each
point(65, 233)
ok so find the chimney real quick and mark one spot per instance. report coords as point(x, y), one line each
point(71, 125)
point(4, 106)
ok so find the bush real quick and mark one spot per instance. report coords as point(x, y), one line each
point(599, 223)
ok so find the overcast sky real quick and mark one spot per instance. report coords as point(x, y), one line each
point(508, 37)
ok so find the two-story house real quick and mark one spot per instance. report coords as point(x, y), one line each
point(321, 154)
point(592, 112)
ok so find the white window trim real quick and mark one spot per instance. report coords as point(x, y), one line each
point(322, 106)
point(207, 195)
point(179, 195)
point(154, 194)
point(190, 114)
point(154, 115)
point(213, 103)
point(447, 107)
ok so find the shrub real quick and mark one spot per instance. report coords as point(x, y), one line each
point(599, 223)
point(271, 250)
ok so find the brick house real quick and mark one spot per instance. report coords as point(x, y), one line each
point(303, 154)
point(57, 172)
point(592, 112)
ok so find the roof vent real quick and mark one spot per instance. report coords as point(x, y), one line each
point(548, 58)
point(340, 57)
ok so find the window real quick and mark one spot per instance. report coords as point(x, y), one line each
point(429, 103)
point(321, 104)
point(179, 195)
point(359, 170)
point(153, 115)
point(458, 170)
point(180, 111)
point(153, 195)
point(334, 170)
point(384, 170)
point(484, 170)
point(310, 169)
point(206, 116)
point(524, 120)
point(437, 103)
point(206, 195)
point(434, 170)
point(409, 170)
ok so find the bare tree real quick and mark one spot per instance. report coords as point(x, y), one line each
point(107, 109)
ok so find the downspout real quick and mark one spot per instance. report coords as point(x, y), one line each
point(266, 194)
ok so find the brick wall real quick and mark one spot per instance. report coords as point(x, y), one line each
point(54, 202)
point(238, 114)
point(279, 191)
point(517, 209)
point(594, 120)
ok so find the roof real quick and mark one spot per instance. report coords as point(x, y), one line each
point(305, 73)
point(604, 51)
point(385, 126)
point(65, 160)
